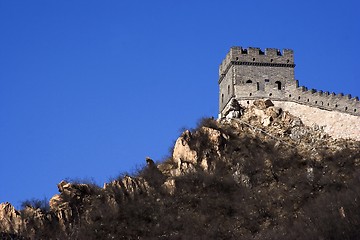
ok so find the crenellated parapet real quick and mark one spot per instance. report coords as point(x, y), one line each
point(326, 100)
point(248, 74)
point(271, 57)
point(310, 97)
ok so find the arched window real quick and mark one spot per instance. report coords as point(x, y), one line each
point(278, 84)
point(222, 98)
point(249, 81)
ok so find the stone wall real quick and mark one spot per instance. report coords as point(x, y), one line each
point(254, 70)
point(226, 92)
point(312, 98)
point(249, 74)
point(250, 55)
point(336, 124)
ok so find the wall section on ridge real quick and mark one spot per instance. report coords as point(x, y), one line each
point(249, 74)
point(336, 124)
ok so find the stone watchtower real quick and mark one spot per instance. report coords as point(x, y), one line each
point(249, 74)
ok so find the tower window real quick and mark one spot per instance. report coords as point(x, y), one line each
point(267, 80)
point(249, 81)
point(228, 89)
point(222, 98)
point(278, 84)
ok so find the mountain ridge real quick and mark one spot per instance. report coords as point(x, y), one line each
point(262, 174)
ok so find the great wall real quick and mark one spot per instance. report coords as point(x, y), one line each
point(250, 74)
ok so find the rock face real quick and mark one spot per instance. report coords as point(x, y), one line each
point(17, 223)
point(70, 205)
point(185, 158)
point(263, 159)
point(182, 151)
point(10, 219)
point(234, 110)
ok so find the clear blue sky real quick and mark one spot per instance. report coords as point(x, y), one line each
point(88, 89)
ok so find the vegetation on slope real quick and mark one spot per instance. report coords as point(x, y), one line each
point(255, 188)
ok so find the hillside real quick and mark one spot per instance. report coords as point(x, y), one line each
point(263, 175)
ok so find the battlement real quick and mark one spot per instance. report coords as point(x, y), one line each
point(310, 97)
point(325, 100)
point(250, 74)
point(255, 56)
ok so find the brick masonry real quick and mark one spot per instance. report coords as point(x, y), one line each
point(249, 74)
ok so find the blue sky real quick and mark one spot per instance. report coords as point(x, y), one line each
point(88, 89)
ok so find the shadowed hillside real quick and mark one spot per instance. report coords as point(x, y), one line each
point(263, 175)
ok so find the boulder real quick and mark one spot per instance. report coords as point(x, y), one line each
point(262, 104)
point(273, 112)
point(182, 151)
point(233, 110)
point(215, 136)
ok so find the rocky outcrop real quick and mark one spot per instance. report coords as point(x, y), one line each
point(182, 151)
point(262, 104)
point(17, 223)
point(188, 151)
point(10, 219)
point(72, 205)
point(233, 110)
point(128, 187)
point(264, 111)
